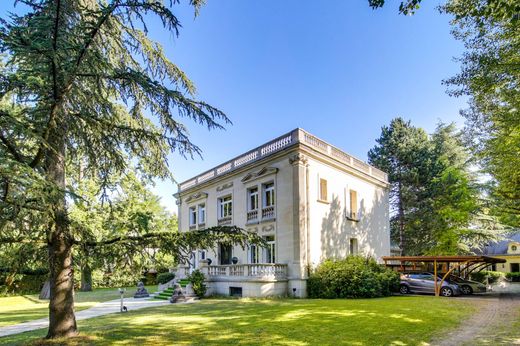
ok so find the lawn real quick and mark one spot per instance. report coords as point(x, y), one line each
point(17, 309)
point(384, 321)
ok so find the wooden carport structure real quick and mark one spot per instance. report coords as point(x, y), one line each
point(466, 264)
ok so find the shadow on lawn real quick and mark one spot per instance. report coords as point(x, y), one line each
point(295, 322)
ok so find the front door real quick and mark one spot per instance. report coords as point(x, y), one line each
point(225, 253)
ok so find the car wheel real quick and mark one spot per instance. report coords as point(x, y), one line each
point(404, 289)
point(467, 290)
point(446, 292)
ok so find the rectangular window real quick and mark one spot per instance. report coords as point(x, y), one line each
point(269, 195)
point(225, 207)
point(253, 198)
point(353, 205)
point(353, 246)
point(202, 214)
point(225, 253)
point(270, 250)
point(323, 190)
point(253, 254)
point(193, 216)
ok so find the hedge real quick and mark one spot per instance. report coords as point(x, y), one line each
point(163, 278)
point(491, 275)
point(352, 277)
point(514, 276)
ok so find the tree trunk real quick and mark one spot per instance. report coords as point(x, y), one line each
point(62, 322)
point(401, 219)
point(86, 278)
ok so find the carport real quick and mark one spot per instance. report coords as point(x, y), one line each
point(464, 265)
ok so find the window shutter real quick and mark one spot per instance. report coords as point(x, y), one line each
point(323, 189)
point(353, 205)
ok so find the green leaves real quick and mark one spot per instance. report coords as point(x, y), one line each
point(436, 206)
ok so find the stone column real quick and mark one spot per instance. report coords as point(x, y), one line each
point(299, 163)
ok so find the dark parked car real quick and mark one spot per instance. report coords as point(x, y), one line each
point(424, 283)
point(468, 286)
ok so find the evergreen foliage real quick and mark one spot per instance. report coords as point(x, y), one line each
point(435, 200)
point(84, 89)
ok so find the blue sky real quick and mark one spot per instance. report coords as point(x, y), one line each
point(336, 68)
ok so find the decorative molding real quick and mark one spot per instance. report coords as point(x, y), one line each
point(225, 186)
point(269, 228)
point(252, 229)
point(263, 172)
point(298, 159)
point(196, 196)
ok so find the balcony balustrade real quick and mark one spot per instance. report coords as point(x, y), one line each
point(249, 271)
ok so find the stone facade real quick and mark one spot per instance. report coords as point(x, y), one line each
point(309, 200)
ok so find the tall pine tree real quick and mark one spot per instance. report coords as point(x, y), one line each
point(82, 82)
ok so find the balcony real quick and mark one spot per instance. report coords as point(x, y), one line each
point(268, 213)
point(223, 221)
point(260, 271)
point(252, 216)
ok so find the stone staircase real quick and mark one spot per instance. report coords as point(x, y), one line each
point(166, 294)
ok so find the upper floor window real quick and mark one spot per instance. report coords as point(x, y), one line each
point(253, 198)
point(193, 216)
point(268, 195)
point(225, 206)
point(354, 213)
point(202, 213)
point(323, 190)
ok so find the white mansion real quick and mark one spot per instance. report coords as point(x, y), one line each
point(308, 199)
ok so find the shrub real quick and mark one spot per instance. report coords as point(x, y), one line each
point(197, 281)
point(491, 275)
point(352, 277)
point(163, 278)
point(514, 276)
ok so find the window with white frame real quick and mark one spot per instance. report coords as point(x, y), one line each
point(225, 207)
point(268, 195)
point(270, 249)
point(252, 198)
point(193, 216)
point(202, 214)
point(254, 254)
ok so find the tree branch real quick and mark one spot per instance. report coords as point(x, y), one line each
point(11, 148)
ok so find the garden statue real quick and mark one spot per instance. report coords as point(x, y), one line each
point(141, 291)
point(177, 294)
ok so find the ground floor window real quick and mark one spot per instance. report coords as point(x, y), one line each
point(353, 246)
point(270, 249)
point(225, 253)
point(515, 267)
point(254, 254)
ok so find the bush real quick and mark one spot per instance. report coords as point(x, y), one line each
point(353, 277)
point(163, 278)
point(514, 276)
point(491, 275)
point(197, 281)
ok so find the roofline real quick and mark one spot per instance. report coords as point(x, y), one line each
point(278, 144)
point(454, 259)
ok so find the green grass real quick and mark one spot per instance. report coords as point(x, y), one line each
point(18, 309)
point(384, 321)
